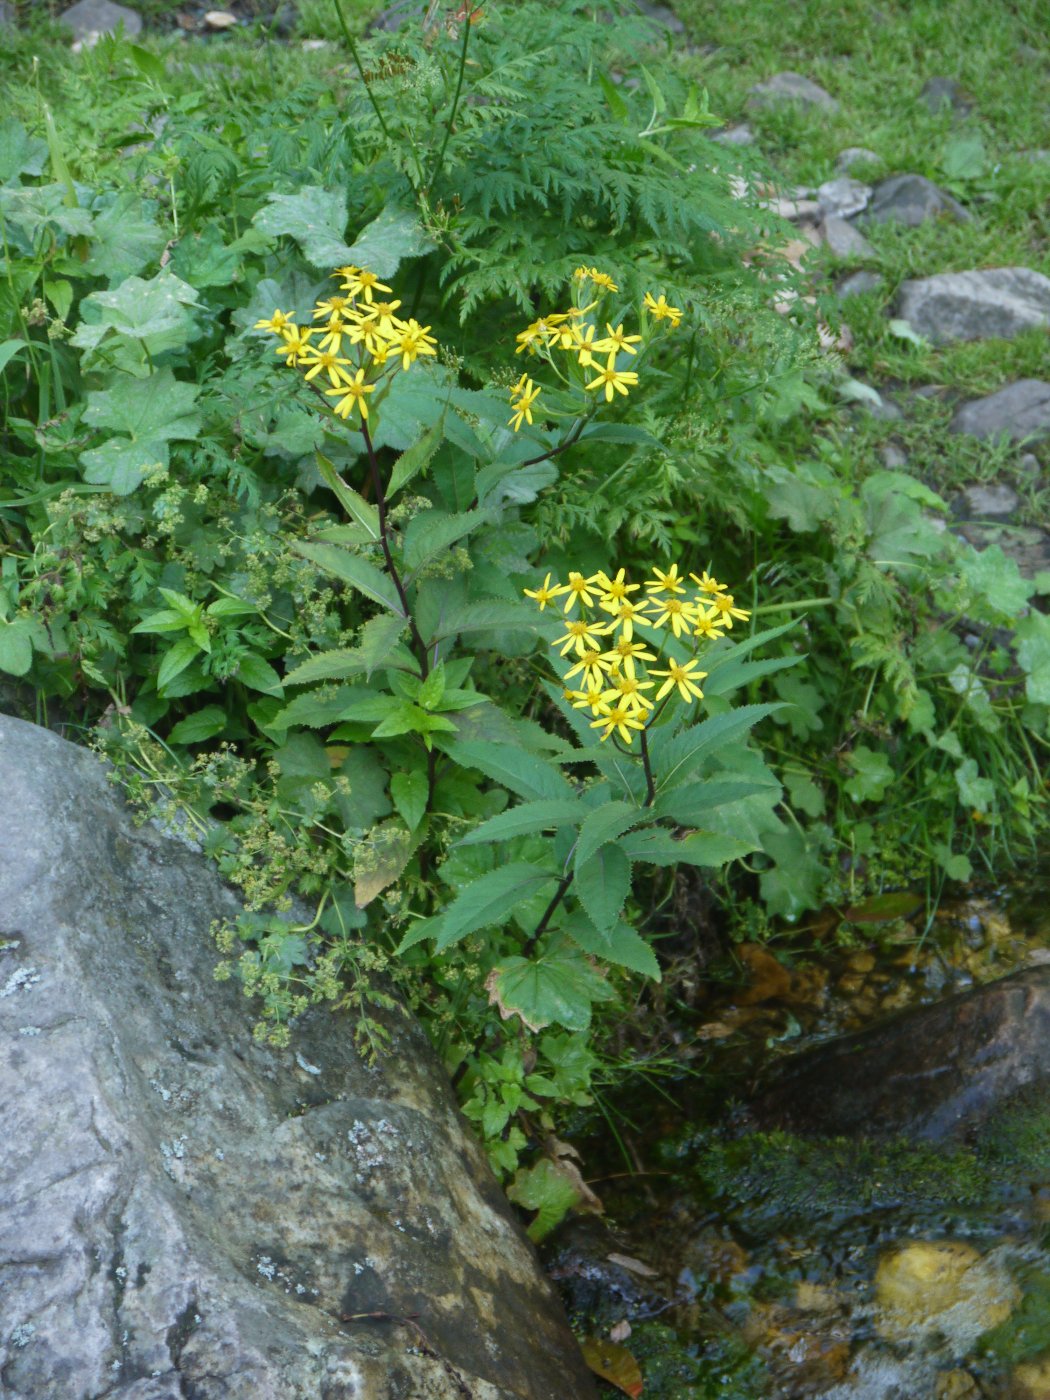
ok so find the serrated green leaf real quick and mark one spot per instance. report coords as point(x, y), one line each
point(175, 661)
point(357, 572)
point(526, 774)
point(394, 234)
point(491, 899)
point(432, 690)
point(606, 823)
point(546, 1190)
point(415, 458)
point(316, 219)
point(690, 804)
point(489, 615)
point(257, 674)
point(16, 647)
point(619, 944)
point(408, 792)
point(198, 727)
point(676, 757)
point(708, 848)
point(558, 988)
point(526, 819)
point(872, 774)
point(433, 532)
point(151, 414)
point(602, 884)
point(354, 504)
point(381, 859)
point(9, 349)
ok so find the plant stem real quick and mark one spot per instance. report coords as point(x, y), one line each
point(570, 441)
point(796, 606)
point(548, 914)
point(650, 786)
point(360, 69)
point(455, 102)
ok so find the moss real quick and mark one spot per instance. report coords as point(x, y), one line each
point(722, 1367)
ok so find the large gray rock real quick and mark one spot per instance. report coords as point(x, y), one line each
point(911, 200)
point(88, 17)
point(931, 1073)
point(1002, 301)
point(843, 197)
point(186, 1213)
point(1020, 411)
point(785, 89)
point(844, 240)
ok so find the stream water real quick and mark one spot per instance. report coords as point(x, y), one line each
point(748, 1265)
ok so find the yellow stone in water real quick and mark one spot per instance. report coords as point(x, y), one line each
point(915, 1284)
point(956, 1385)
point(1031, 1380)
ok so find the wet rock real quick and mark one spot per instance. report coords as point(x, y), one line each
point(938, 93)
point(990, 499)
point(1031, 1380)
point(88, 17)
point(189, 1212)
point(597, 1274)
point(956, 1385)
point(930, 1073)
point(740, 135)
point(1001, 301)
point(785, 89)
point(911, 200)
point(859, 283)
point(843, 197)
point(1020, 412)
point(855, 156)
point(942, 1285)
point(843, 239)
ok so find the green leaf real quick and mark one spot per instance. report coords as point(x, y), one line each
point(355, 505)
point(432, 690)
point(314, 710)
point(20, 153)
point(619, 944)
point(416, 458)
point(407, 718)
point(379, 639)
point(546, 1190)
point(675, 757)
point(257, 674)
point(357, 572)
point(433, 532)
point(690, 804)
point(1033, 656)
point(198, 727)
point(996, 579)
point(491, 899)
point(872, 774)
point(408, 791)
point(602, 884)
point(606, 823)
point(316, 219)
point(16, 646)
point(176, 659)
point(381, 859)
point(394, 234)
point(155, 314)
point(526, 819)
point(699, 848)
point(124, 240)
point(9, 349)
point(526, 774)
point(489, 615)
point(558, 988)
point(956, 867)
point(149, 414)
point(974, 791)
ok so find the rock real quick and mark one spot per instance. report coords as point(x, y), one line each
point(1002, 301)
point(843, 239)
point(1029, 467)
point(7, 15)
point(220, 19)
point(990, 499)
point(931, 1072)
point(1019, 412)
point(843, 197)
point(89, 17)
point(191, 1213)
point(662, 15)
point(858, 284)
point(1026, 545)
point(854, 156)
point(740, 135)
point(938, 93)
point(1031, 1380)
point(945, 1286)
point(911, 200)
point(390, 20)
point(894, 459)
point(784, 89)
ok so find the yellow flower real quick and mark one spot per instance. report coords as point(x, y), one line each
point(333, 334)
point(707, 625)
point(681, 616)
point(627, 690)
point(331, 306)
point(580, 590)
point(348, 273)
point(625, 653)
point(581, 274)
point(685, 677)
point(707, 584)
point(592, 667)
point(411, 340)
point(362, 283)
point(276, 324)
point(589, 699)
point(545, 593)
point(619, 720)
point(602, 279)
point(659, 309)
point(523, 396)
point(582, 344)
point(542, 332)
point(296, 342)
point(578, 633)
point(724, 605)
point(669, 582)
point(352, 396)
point(616, 340)
point(326, 361)
point(611, 378)
point(624, 616)
point(383, 311)
point(614, 590)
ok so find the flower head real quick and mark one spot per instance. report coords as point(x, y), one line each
point(295, 342)
point(545, 593)
point(619, 720)
point(580, 636)
point(660, 311)
point(668, 582)
point(276, 324)
point(724, 605)
point(602, 279)
point(362, 283)
point(617, 340)
point(351, 395)
point(685, 677)
point(580, 590)
point(522, 397)
point(410, 340)
point(611, 378)
point(327, 362)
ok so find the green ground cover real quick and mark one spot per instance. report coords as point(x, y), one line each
point(186, 577)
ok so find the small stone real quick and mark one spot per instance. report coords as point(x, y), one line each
point(992, 499)
point(1019, 412)
point(911, 200)
point(955, 1385)
point(740, 135)
point(893, 459)
point(843, 239)
point(1000, 301)
point(662, 15)
point(843, 197)
point(859, 284)
point(854, 156)
point(944, 1285)
point(89, 17)
point(939, 93)
point(783, 89)
point(1029, 467)
point(1031, 1380)
point(220, 19)
point(314, 45)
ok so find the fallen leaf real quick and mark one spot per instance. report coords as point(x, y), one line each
point(614, 1364)
point(883, 908)
point(634, 1266)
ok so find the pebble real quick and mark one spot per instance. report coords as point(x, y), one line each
point(784, 89)
point(94, 17)
point(918, 1284)
point(977, 305)
point(843, 196)
point(859, 283)
point(1019, 411)
point(911, 200)
point(990, 499)
point(740, 135)
point(844, 240)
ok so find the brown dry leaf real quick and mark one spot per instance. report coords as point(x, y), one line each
point(614, 1364)
point(794, 251)
point(634, 1266)
point(380, 860)
point(715, 1030)
point(769, 978)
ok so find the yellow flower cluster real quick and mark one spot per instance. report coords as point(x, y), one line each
point(577, 337)
point(359, 340)
point(612, 664)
